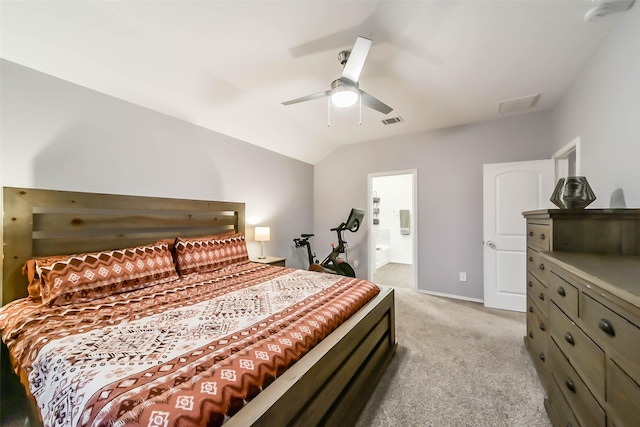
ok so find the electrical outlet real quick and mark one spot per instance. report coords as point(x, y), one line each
point(463, 276)
point(355, 264)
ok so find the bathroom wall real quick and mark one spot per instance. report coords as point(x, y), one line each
point(395, 193)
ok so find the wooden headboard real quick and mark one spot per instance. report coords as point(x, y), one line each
point(46, 222)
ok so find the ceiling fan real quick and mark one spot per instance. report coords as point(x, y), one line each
point(345, 91)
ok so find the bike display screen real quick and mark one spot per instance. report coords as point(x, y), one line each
point(355, 219)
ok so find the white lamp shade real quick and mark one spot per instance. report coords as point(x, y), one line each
point(263, 234)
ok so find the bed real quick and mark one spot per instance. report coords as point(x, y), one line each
point(328, 385)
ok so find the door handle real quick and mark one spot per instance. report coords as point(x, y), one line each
point(490, 244)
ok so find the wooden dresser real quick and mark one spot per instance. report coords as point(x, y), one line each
point(583, 314)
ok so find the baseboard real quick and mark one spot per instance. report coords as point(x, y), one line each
point(440, 294)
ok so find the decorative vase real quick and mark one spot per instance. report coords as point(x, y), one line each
point(573, 192)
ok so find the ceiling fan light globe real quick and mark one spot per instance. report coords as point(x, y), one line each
point(344, 98)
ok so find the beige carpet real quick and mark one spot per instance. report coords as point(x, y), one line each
point(457, 364)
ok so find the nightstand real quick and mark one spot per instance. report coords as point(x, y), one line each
point(271, 260)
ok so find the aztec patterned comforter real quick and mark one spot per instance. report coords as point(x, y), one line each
point(191, 351)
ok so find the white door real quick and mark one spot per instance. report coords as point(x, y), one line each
point(509, 190)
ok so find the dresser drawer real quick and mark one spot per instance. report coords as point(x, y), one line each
point(538, 235)
point(623, 395)
point(537, 332)
point(560, 407)
point(609, 328)
point(538, 293)
point(583, 404)
point(583, 354)
point(536, 265)
point(537, 342)
point(563, 293)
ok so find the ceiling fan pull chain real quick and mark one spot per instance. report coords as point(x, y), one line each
point(329, 112)
point(360, 119)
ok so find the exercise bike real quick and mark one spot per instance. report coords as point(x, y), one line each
point(333, 263)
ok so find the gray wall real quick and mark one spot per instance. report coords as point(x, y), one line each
point(602, 107)
point(58, 135)
point(449, 163)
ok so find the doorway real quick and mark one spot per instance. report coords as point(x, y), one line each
point(392, 233)
point(567, 160)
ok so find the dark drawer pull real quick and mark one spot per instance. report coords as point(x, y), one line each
point(569, 338)
point(542, 326)
point(570, 385)
point(531, 335)
point(531, 233)
point(541, 296)
point(542, 237)
point(530, 284)
point(606, 327)
point(561, 292)
point(541, 356)
point(530, 309)
point(541, 268)
point(530, 259)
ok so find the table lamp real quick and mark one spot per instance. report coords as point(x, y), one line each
point(262, 234)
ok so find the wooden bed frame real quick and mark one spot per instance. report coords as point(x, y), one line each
point(329, 386)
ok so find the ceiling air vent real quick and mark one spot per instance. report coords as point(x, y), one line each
point(518, 103)
point(392, 120)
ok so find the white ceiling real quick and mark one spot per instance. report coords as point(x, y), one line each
point(228, 65)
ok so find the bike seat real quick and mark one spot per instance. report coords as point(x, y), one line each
point(304, 236)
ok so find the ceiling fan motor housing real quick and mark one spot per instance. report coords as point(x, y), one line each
point(342, 83)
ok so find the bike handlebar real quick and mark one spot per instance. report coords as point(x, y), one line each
point(341, 227)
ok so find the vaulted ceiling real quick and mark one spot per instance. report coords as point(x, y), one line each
point(228, 65)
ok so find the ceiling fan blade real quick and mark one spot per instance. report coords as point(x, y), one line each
point(374, 103)
point(308, 97)
point(353, 67)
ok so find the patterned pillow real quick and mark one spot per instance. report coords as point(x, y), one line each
point(86, 277)
point(204, 254)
